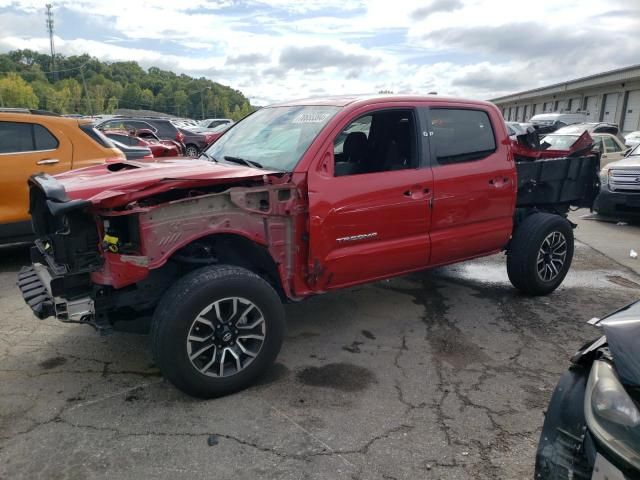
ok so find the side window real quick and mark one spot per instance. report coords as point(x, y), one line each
point(113, 124)
point(362, 124)
point(44, 139)
point(460, 135)
point(377, 142)
point(16, 137)
point(611, 145)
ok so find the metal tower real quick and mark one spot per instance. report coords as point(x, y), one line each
point(50, 30)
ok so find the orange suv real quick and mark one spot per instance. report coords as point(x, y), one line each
point(32, 142)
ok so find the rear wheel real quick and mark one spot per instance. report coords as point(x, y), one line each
point(216, 330)
point(540, 253)
point(191, 151)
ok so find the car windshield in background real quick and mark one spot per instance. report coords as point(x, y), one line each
point(635, 152)
point(558, 142)
point(275, 137)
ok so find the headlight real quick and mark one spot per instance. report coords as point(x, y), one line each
point(611, 414)
point(603, 176)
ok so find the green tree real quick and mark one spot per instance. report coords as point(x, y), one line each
point(113, 85)
point(75, 94)
point(15, 92)
point(112, 104)
point(146, 99)
point(131, 96)
point(180, 102)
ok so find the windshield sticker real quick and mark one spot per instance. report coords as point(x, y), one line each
point(311, 118)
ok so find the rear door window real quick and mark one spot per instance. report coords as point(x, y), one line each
point(166, 129)
point(460, 135)
point(44, 139)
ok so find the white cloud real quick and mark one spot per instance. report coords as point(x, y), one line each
point(277, 49)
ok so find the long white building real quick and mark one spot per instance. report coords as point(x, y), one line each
point(612, 96)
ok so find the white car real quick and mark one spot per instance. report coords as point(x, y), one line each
point(632, 139)
point(611, 147)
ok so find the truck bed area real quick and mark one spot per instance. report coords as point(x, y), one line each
point(558, 182)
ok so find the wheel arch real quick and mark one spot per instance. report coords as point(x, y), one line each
point(231, 249)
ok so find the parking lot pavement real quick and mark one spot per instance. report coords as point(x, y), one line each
point(615, 236)
point(443, 374)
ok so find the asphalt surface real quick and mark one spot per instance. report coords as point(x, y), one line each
point(443, 374)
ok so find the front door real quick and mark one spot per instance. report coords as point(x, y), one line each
point(369, 201)
point(613, 150)
point(474, 183)
point(27, 148)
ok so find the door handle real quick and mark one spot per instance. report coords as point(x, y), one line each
point(499, 182)
point(48, 161)
point(417, 193)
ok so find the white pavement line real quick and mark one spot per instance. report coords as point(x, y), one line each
point(111, 395)
point(321, 442)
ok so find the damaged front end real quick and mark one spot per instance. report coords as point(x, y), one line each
point(109, 254)
point(592, 424)
point(63, 256)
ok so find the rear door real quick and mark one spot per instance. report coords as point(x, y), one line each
point(27, 148)
point(474, 183)
point(369, 200)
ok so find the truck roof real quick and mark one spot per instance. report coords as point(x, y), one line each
point(344, 100)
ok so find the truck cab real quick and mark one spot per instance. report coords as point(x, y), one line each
point(295, 200)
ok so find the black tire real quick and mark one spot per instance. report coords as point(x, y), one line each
point(191, 150)
point(525, 247)
point(175, 317)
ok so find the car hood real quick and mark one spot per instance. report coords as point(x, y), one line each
point(622, 329)
point(632, 161)
point(117, 183)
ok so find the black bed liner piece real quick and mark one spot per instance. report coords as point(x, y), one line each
point(568, 181)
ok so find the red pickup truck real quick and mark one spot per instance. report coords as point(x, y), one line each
point(295, 200)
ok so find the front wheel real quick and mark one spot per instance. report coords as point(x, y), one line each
point(217, 330)
point(540, 253)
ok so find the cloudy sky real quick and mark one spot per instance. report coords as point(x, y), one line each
point(274, 50)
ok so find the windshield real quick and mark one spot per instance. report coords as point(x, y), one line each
point(635, 152)
point(558, 142)
point(273, 137)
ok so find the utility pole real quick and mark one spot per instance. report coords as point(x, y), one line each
point(51, 45)
point(202, 100)
point(86, 91)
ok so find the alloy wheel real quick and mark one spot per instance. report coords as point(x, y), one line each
point(192, 152)
point(225, 337)
point(551, 256)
